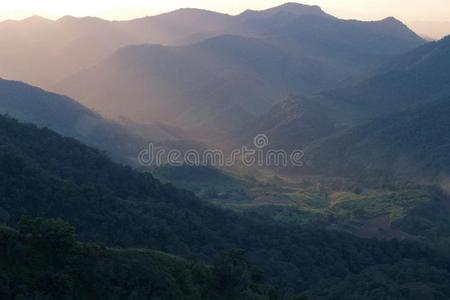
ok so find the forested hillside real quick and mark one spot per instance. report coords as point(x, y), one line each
point(411, 146)
point(43, 260)
point(416, 77)
point(69, 118)
point(388, 127)
point(44, 175)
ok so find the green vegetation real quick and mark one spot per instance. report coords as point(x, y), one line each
point(407, 138)
point(405, 280)
point(206, 182)
point(406, 211)
point(407, 146)
point(44, 175)
point(43, 260)
point(401, 211)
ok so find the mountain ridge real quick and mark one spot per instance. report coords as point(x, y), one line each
point(232, 71)
point(69, 36)
point(292, 7)
point(119, 139)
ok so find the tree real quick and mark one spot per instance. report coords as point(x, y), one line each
point(234, 272)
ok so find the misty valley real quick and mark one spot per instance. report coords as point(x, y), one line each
point(278, 154)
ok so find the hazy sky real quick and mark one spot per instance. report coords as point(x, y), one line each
point(407, 10)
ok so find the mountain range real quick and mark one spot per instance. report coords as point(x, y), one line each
point(240, 72)
point(87, 40)
point(227, 84)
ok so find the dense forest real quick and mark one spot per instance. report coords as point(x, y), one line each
point(43, 260)
point(45, 175)
point(411, 146)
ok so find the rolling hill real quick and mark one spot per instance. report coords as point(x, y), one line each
point(41, 51)
point(69, 118)
point(408, 100)
point(122, 139)
point(186, 84)
point(415, 81)
point(410, 146)
point(413, 78)
point(294, 123)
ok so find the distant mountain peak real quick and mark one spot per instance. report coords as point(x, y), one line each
point(184, 15)
point(71, 19)
point(192, 12)
point(295, 5)
point(291, 7)
point(67, 19)
point(196, 10)
point(445, 40)
point(36, 20)
point(392, 20)
point(395, 26)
